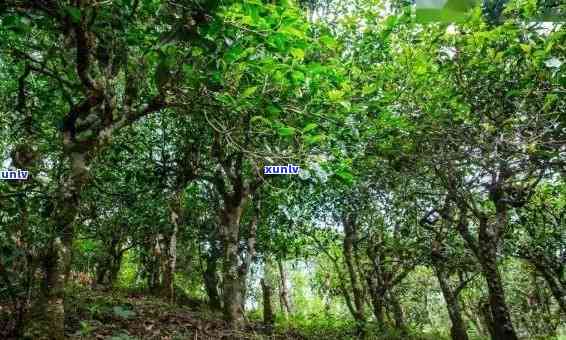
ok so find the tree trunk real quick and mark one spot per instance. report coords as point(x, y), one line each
point(556, 287)
point(283, 291)
point(485, 250)
point(57, 262)
point(154, 265)
point(101, 271)
point(458, 329)
point(487, 318)
point(171, 259)
point(476, 320)
point(327, 296)
point(349, 240)
point(397, 313)
point(268, 317)
point(250, 254)
point(378, 310)
point(500, 314)
point(243, 279)
point(377, 296)
point(53, 294)
point(210, 277)
point(503, 326)
point(230, 232)
point(115, 268)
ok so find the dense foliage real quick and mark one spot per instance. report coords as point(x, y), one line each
point(430, 202)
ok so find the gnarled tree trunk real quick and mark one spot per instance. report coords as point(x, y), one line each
point(210, 276)
point(554, 282)
point(503, 326)
point(377, 302)
point(458, 329)
point(57, 259)
point(232, 286)
point(350, 238)
point(53, 292)
point(168, 286)
point(486, 317)
point(115, 268)
point(485, 250)
point(268, 317)
point(283, 291)
point(397, 312)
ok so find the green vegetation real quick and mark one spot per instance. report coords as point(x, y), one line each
point(431, 201)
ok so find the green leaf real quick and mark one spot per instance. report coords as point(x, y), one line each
point(298, 53)
point(233, 54)
point(17, 24)
point(298, 76)
point(313, 139)
point(292, 32)
point(74, 13)
point(225, 98)
point(335, 95)
point(277, 40)
point(346, 104)
point(329, 41)
point(345, 175)
point(260, 119)
point(310, 127)
point(390, 22)
point(286, 131)
point(196, 51)
point(369, 89)
point(316, 69)
point(420, 69)
point(549, 101)
point(273, 110)
point(249, 91)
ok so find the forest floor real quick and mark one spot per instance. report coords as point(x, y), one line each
point(96, 314)
point(122, 315)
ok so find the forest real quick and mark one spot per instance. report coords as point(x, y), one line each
point(282, 169)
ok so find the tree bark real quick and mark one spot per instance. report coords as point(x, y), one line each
point(485, 250)
point(210, 276)
point(250, 255)
point(57, 261)
point(476, 320)
point(503, 326)
point(350, 238)
point(283, 291)
point(53, 294)
point(397, 313)
point(168, 286)
point(557, 288)
point(377, 296)
point(487, 318)
point(154, 264)
point(268, 317)
point(458, 329)
point(101, 271)
point(115, 268)
point(232, 290)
